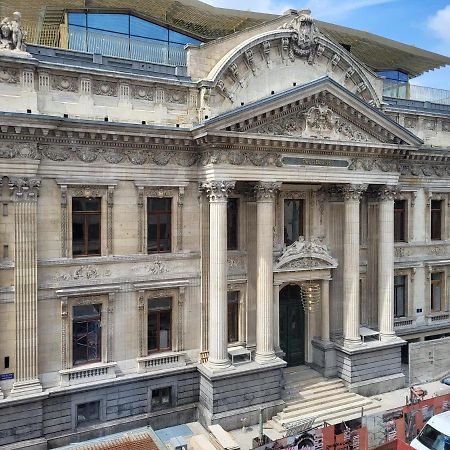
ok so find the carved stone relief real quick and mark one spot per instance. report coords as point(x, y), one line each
point(10, 76)
point(12, 36)
point(107, 88)
point(82, 273)
point(143, 93)
point(65, 83)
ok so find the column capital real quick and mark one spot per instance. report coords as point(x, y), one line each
point(387, 192)
point(266, 190)
point(24, 189)
point(353, 191)
point(217, 190)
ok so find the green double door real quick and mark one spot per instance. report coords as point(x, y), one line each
point(292, 325)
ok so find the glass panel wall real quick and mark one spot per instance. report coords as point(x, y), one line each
point(126, 36)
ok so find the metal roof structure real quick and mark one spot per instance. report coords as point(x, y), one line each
point(205, 22)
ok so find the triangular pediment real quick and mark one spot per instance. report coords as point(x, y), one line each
point(322, 110)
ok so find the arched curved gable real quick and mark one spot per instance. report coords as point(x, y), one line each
point(280, 59)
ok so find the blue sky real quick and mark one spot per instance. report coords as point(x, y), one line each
point(423, 23)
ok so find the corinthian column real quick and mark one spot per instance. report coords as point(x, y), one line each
point(25, 193)
point(265, 195)
point(217, 192)
point(386, 262)
point(352, 195)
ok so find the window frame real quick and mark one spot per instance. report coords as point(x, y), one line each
point(90, 423)
point(441, 217)
point(441, 282)
point(93, 318)
point(161, 406)
point(302, 215)
point(404, 225)
point(158, 214)
point(405, 294)
point(171, 322)
point(235, 304)
point(86, 215)
point(233, 218)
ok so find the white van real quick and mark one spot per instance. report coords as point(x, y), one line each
point(435, 435)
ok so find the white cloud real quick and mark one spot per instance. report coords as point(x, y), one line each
point(440, 24)
point(322, 9)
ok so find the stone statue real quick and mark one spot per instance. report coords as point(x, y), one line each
point(12, 36)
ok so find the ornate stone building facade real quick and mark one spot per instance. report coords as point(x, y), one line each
point(160, 226)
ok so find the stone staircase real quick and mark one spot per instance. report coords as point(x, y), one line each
point(308, 394)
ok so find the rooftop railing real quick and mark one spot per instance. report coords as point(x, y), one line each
point(408, 91)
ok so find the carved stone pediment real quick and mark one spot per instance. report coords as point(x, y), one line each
point(316, 121)
point(305, 255)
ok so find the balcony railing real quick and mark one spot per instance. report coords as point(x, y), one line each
point(138, 49)
point(408, 91)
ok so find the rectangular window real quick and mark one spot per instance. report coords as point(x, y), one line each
point(161, 398)
point(159, 225)
point(399, 220)
point(159, 325)
point(436, 220)
point(86, 221)
point(293, 220)
point(88, 413)
point(86, 334)
point(400, 296)
point(232, 224)
point(233, 316)
point(436, 291)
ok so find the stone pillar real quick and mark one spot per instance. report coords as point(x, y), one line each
point(25, 193)
point(325, 328)
point(217, 192)
point(386, 262)
point(352, 195)
point(265, 196)
point(276, 317)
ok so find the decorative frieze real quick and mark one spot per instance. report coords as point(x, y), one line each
point(240, 158)
point(143, 93)
point(106, 88)
point(87, 272)
point(10, 76)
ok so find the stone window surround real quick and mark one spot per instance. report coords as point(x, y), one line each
point(445, 223)
point(445, 270)
point(84, 188)
point(88, 397)
point(177, 294)
point(241, 287)
point(410, 198)
point(107, 309)
point(161, 190)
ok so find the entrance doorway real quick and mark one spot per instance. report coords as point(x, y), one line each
point(292, 325)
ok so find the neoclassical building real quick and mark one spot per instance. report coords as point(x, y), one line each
point(191, 204)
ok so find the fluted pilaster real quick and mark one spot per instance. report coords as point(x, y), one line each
point(352, 195)
point(217, 192)
point(265, 196)
point(386, 262)
point(25, 193)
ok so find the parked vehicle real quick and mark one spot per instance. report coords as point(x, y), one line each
point(435, 435)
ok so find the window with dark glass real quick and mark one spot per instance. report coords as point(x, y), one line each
point(399, 220)
point(88, 413)
point(86, 334)
point(436, 219)
point(233, 316)
point(159, 325)
point(293, 220)
point(232, 224)
point(436, 291)
point(159, 224)
point(161, 398)
point(400, 296)
point(86, 223)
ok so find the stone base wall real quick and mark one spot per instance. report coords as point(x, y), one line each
point(324, 358)
point(124, 405)
point(240, 392)
point(365, 367)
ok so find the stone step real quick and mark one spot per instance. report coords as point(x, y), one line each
point(313, 407)
point(340, 412)
point(324, 394)
point(333, 419)
point(318, 387)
